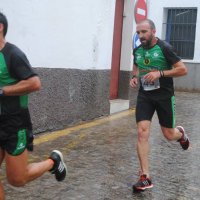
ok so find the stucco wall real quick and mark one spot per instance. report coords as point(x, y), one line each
point(69, 96)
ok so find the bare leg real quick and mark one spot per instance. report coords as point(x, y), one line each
point(171, 133)
point(19, 172)
point(143, 145)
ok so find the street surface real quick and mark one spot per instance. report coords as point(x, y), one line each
point(102, 160)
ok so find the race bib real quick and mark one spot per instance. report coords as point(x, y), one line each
point(148, 86)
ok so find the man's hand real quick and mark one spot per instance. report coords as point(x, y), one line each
point(152, 76)
point(134, 82)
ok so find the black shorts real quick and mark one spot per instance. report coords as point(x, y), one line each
point(16, 134)
point(165, 108)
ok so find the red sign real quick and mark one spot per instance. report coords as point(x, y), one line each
point(140, 10)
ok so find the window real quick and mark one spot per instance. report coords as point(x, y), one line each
point(180, 31)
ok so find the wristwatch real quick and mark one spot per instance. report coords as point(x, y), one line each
point(1, 92)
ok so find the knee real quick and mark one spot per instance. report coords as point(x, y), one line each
point(143, 135)
point(16, 181)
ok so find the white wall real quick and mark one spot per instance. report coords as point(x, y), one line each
point(156, 10)
point(62, 33)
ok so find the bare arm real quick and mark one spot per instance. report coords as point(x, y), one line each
point(134, 80)
point(179, 69)
point(23, 87)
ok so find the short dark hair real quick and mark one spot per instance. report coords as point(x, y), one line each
point(4, 21)
point(150, 22)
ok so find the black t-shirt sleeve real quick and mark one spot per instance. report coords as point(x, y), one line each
point(20, 67)
point(169, 53)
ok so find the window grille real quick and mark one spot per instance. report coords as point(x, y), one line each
point(180, 31)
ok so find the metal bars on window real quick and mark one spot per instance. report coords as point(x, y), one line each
point(181, 29)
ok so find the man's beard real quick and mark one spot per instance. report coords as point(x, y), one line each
point(147, 44)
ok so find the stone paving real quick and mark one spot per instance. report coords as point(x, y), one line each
point(102, 162)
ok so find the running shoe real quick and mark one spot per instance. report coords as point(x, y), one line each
point(142, 184)
point(184, 140)
point(59, 168)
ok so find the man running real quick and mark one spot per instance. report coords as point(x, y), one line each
point(155, 65)
point(17, 80)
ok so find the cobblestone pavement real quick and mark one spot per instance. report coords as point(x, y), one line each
point(102, 161)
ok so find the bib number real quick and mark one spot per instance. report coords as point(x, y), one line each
point(148, 86)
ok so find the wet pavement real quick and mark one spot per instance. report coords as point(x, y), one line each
point(102, 160)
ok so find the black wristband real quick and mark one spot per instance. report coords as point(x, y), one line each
point(161, 73)
point(134, 76)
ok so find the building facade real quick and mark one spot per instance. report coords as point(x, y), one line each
point(82, 51)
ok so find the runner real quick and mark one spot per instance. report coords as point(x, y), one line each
point(17, 80)
point(155, 65)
